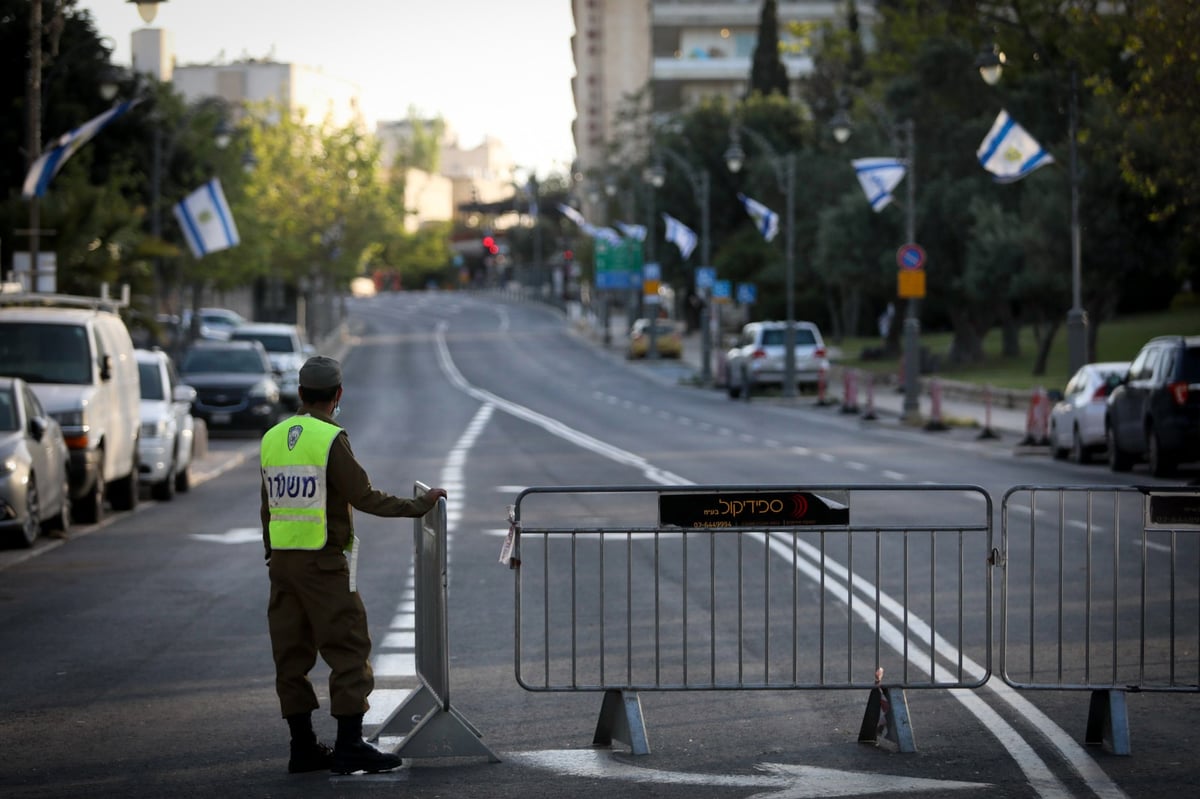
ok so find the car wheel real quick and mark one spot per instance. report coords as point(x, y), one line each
point(1161, 463)
point(1057, 451)
point(33, 514)
point(183, 478)
point(125, 493)
point(90, 509)
point(734, 389)
point(62, 522)
point(1079, 452)
point(164, 490)
point(1118, 461)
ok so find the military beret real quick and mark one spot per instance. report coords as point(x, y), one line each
point(320, 372)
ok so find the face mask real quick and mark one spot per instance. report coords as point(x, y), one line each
point(337, 411)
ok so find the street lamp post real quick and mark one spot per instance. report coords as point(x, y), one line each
point(654, 177)
point(903, 136)
point(147, 9)
point(785, 176)
point(701, 188)
point(991, 67)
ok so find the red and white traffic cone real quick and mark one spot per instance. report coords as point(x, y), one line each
point(987, 431)
point(869, 414)
point(850, 391)
point(935, 422)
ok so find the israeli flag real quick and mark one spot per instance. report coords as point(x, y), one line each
point(766, 219)
point(206, 220)
point(573, 215)
point(1009, 152)
point(45, 168)
point(878, 177)
point(680, 235)
point(635, 232)
point(606, 234)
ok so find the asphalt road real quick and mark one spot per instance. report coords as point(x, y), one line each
point(136, 659)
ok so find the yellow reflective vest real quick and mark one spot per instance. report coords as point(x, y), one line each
point(294, 456)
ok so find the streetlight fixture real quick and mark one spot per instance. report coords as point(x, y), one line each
point(701, 188)
point(785, 176)
point(903, 138)
point(147, 9)
point(991, 67)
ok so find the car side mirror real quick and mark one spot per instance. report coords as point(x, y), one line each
point(37, 428)
point(184, 393)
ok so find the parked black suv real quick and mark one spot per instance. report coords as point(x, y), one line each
point(1155, 412)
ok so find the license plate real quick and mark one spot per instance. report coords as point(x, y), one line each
point(222, 418)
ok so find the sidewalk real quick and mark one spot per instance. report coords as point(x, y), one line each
point(962, 405)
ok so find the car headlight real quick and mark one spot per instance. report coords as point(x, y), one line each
point(160, 428)
point(72, 418)
point(8, 466)
point(265, 389)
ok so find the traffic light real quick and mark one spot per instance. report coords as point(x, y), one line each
point(489, 245)
point(568, 255)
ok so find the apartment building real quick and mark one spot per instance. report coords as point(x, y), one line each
point(662, 56)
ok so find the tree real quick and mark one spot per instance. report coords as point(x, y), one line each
point(767, 72)
point(1162, 123)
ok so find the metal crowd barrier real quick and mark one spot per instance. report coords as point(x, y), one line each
point(1100, 593)
point(633, 588)
point(430, 726)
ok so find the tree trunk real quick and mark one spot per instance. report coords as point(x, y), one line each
point(1045, 337)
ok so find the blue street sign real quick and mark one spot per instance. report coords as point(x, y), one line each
point(722, 289)
point(910, 256)
point(651, 272)
point(747, 293)
point(705, 277)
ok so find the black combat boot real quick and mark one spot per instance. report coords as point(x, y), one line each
point(308, 754)
point(351, 753)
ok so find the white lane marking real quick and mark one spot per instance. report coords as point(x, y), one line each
point(1041, 779)
point(237, 535)
point(552, 426)
point(781, 781)
point(889, 474)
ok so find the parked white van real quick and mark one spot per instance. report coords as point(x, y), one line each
point(77, 355)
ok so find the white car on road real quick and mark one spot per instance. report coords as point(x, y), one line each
point(1077, 419)
point(757, 360)
point(166, 446)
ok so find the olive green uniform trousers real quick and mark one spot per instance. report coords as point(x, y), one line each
point(312, 610)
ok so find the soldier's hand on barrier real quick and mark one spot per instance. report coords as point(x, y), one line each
point(436, 493)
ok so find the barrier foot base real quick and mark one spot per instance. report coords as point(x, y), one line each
point(1108, 721)
point(887, 716)
point(430, 730)
point(621, 720)
point(987, 432)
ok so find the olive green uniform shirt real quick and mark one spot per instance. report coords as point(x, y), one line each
point(349, 488)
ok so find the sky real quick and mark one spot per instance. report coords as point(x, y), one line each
point(488, 67)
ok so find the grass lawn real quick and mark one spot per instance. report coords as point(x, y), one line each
point(1120, 339)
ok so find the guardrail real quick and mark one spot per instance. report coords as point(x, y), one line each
point(430, 726)
point(634, 588)
point(1101, 593)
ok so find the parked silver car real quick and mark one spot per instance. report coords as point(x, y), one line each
point(1077, 419)
point(35, 490)
point(167, 442)
point(757, 359)
point(287, 351)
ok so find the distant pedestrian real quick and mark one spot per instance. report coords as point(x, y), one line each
point(311, 482)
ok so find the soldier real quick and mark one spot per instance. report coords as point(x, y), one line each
point(310, 483)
